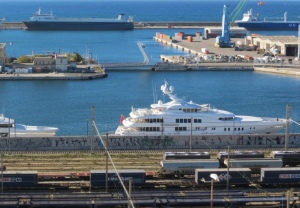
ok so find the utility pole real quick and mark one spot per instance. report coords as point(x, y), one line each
point(287, 128)
point(93, 127)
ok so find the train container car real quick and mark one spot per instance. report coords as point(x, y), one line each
point(22, 179)
point(238, 154)
point(98, 177)
point(186, 167)
point(280, 176)
point(255, 164)
point(185, 155)
point(289, 158)
point(237, 176)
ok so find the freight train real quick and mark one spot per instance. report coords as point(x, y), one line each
point(279, 177)
point(278, 169)
point(184, 163)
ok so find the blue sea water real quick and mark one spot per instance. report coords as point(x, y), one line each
point(67, 104)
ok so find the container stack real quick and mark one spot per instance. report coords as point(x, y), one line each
point(179, 35)
point(190, 38)
point(163, 37)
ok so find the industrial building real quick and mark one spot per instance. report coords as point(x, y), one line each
point(283, 45)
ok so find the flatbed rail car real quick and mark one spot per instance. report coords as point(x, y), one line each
point(185, 155)
point(238, 154)
point(254, 164)
point(289, 158)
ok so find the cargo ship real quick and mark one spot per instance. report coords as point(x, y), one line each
point(44, 21)
point(250, 22)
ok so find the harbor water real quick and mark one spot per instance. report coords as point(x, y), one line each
point(67, 104)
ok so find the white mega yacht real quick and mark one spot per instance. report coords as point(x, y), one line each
point(179, 117)
point(8, 128)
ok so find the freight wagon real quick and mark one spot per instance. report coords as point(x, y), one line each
point(238, 154)
point(237, 176)
point(280, 176)
point(289, 158)
point(254, 164)
point(98, 177)
point(186, 167)
point(185, 155)
point(20, 179)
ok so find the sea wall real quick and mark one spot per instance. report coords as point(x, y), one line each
point(148, 143)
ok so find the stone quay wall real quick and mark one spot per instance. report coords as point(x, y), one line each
point(70, 143)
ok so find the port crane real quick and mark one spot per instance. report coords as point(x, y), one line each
point(224, 40)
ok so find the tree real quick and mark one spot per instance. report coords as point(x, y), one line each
point(75, 57)
point(24, 59)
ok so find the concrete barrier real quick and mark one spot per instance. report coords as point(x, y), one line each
point(149, 143)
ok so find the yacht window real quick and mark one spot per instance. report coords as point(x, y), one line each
point(180, 128)
point(181, 120)
point(224, 129)
point(242, 128)
point(228, 129)
point(5, 125)
point(234, 129)
point(189, 120)
point(197, 120)
point(185, 120)
point(238, 129)
point(177, 120)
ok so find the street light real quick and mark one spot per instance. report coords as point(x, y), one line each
point(213, 177)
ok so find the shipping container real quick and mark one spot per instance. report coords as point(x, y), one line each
point(22, 179)
point(187, 166)
point(237, 176)
point(238, 154)
point(255, 164)
point(185, 155)
point(290, 158)
point(98, 177)
point(275, 176)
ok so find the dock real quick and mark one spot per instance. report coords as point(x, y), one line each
point(194, 49)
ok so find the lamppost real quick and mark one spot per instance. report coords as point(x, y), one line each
point(213, 177)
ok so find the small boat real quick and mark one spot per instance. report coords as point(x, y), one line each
point(45, 21)
point(260, 3)
point(8, 128)
point(179, 117)
point(250, 22)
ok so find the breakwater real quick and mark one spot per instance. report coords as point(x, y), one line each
point(20, 25)
point(149, 142)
